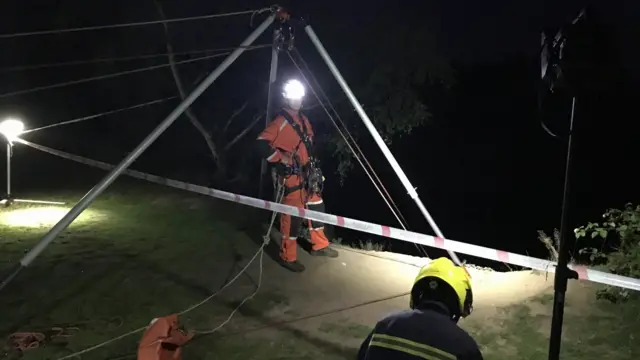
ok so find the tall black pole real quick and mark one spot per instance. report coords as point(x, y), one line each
point(563, 273)
point(273, 74)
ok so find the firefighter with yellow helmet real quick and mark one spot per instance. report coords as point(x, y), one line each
point(440, 296)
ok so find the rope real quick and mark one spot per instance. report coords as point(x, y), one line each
point(242, 302)
point(266, 239)
point(369, 171)
point(85, 118)
point(102, 344)
point(207, 299)
point(112, 75)
point(22, 341)
point(153, 102)
point(324, 313)
point(402, 221)
point(303, 318)
point(110, 59)
point(122, 25)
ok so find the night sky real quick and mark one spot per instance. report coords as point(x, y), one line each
point(484, 167)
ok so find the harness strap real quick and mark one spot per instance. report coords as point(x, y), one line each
point(303, 133)
point(288, 190)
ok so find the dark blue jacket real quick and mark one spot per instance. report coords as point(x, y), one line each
point(419, 334)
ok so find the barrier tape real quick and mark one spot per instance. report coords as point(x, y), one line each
point(584, 273)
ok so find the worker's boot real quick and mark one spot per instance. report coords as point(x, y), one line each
point(294, 266)
point(327, 251)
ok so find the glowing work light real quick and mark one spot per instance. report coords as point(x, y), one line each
point(293, 90)
point(11, 129)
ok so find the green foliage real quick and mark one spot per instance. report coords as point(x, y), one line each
point(552, 244)
point(392, 76)
point(622, 229)
point(341, 152)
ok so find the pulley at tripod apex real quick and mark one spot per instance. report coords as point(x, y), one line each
point(284, 31)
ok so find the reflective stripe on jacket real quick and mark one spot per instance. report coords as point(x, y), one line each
point(409, 347)
point(419, 334)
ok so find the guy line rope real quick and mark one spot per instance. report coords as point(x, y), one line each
point(116, 74)
point(90, 117)
point(109, 59)
point(130, 24)
point(110, 112)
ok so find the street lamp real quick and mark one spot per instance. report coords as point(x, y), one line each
point(10, 128)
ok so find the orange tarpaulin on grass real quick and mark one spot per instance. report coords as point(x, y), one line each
point(163, 340)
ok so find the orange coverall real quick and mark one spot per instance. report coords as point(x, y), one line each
point(284, 141)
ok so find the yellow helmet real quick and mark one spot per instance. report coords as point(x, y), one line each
point(438, 274)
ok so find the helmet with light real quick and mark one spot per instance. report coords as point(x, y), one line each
point(293, 94)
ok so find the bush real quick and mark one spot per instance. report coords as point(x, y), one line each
point(552, 244)
point(622, 254)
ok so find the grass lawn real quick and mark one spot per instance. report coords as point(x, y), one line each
point(139, 252)
point(593, 329)
point(143, 251)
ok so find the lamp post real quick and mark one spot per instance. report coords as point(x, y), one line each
point(10, 128)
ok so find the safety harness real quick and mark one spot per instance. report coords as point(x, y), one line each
point(312, 179)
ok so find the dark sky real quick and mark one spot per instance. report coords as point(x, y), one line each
point(485, 168)
point(464, 29)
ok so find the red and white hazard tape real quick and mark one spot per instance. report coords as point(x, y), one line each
point(584, 273)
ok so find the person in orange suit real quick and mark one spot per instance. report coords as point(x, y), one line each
point(286, 143)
